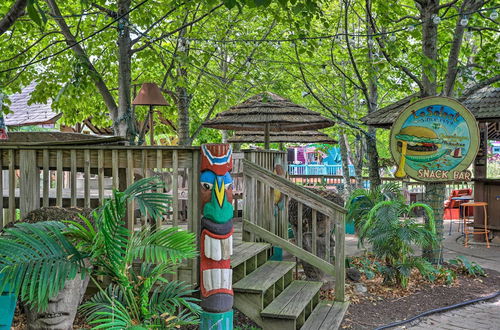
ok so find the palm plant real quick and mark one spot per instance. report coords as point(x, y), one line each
point(136, 263)
point(393, 232)
point(361, 201)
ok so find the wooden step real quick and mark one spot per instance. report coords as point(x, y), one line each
point(292, 307)
point(327, 315)
point(265, 277)
point(258, 289)
point(247, 257)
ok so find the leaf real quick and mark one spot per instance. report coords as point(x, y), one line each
point(33, 13)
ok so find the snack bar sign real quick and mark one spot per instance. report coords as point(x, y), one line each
point(435, 139)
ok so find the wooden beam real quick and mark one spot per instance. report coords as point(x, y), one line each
point(301, 194)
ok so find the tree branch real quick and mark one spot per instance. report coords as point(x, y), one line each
point(16, 11)
point(80, 53)
point(326, 107)
point(468, 92)
point(165, 35)
point(401, 67)
point(111, 13)
point(156, 23)
point(456, 45)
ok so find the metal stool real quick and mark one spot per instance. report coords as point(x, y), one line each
point(475, 231)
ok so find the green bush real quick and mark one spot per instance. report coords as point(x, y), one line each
point(467, 267)
point(362, 201)
point(139, 296)
point(392, 231)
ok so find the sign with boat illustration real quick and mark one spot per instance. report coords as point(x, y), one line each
point(435, 139)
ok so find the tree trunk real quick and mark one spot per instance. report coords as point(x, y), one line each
point(429, 46)
point(434, 192)
point(345, 166)
point(434, 197)
point(16, 11)
point(124, 125)
point(183, 97)
point(359, 161)
point(371, 139)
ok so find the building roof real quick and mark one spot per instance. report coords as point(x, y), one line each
point(484, 104)
point(289, 137)
point(28, 115)
point(268, 108)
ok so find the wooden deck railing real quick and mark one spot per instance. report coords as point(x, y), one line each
point(408, 186)
point(82, 176)
point(265, 219)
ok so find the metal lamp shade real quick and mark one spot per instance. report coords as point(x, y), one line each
point(150, 94)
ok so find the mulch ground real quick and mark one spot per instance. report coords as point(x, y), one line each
point(382, 305)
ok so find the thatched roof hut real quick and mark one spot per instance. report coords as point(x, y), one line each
point(484, 104)
point(282, 137)
point(268, 108)
point(267, 112)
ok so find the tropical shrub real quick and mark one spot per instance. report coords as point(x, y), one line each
point(465, 266)
point(361, 201)
point(392, 231)
point(139, 296)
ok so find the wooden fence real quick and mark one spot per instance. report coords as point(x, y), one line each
point(264, 219)
point(83, 176)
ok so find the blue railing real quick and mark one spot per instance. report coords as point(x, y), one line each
point(318, 169)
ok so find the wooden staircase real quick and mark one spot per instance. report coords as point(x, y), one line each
point(265, 291)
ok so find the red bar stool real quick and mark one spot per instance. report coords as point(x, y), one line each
point(468, 223)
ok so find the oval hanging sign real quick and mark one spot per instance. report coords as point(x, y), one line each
point(435, 139)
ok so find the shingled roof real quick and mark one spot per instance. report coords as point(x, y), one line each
point(28, 115)
point(484, 104)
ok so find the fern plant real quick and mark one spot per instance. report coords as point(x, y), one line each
point(136, 263)
point(361, 201)
point(393, 232)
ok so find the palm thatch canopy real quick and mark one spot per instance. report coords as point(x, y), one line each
point(278, 137)
point(484, 105)
point(269, 109)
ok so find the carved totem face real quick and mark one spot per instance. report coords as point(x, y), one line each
point(217, 228)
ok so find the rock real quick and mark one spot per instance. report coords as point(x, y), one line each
point(353, 274)
point(360, 288)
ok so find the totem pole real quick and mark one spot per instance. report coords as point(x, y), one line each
point(216, 241)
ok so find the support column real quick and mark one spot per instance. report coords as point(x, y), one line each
point(216, 237)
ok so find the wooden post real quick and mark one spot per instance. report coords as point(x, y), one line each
point(151, 127)
point(216, 238)
point(266, 136)
point(340, 257)
point(29, 182)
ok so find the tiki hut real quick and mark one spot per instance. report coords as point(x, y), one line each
point(485, 106)
point(268, 112)
point(282, 137)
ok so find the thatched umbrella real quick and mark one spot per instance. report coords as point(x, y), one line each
point(268, 112)
point(282, 137)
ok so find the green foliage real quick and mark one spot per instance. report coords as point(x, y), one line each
point(468, 267)
point(37, 259)
point(361, 201)
point(393, 233)
point(143, 295)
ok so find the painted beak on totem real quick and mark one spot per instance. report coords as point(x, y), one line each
point(220, 190)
